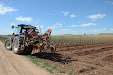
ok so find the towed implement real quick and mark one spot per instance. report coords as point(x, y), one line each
point(27, 40)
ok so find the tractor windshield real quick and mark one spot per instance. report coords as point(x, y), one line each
point(18, 30)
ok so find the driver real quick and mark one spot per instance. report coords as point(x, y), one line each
point(32, 32)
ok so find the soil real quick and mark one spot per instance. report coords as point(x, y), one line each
point(94, 59)
point(3, 39)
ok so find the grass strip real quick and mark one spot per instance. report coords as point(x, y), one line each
point(42, 64)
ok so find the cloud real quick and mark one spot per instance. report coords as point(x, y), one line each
point(84, 25)
point(65, 29)
point(57, 25)
point(40, 26)
point(75, 25)
point(54, 27)
point(89, 24)
point(111, 29)
point(65, 13)
point(72, 15)
point(96, 31)
point(27, 19)
point(109, 2)
point(104, 28)
point(4, 10)
point(82, 31)
point(96, 16)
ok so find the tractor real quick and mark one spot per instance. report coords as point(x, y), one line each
point(27, 40)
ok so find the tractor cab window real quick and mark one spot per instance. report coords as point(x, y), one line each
point(18, 30)
point(23, 30)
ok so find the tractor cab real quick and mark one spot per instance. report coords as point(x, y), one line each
point(22, 29)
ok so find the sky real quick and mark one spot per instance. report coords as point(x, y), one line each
point(74, 17)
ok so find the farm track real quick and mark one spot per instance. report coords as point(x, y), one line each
point(94, 59)
point(12, 64)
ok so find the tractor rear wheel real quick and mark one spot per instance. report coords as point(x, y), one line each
point(17, 42)
point(8, 44)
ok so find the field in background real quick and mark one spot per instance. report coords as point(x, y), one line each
point(5, 36)
point(71, 40)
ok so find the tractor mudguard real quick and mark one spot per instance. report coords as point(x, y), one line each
point(11, 39)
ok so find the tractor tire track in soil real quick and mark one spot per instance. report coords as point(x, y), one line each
point(94, 59)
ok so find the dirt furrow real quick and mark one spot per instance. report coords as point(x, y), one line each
point(83, 60)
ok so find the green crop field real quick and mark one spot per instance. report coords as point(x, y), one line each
point(81, 39)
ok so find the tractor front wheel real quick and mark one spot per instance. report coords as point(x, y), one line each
point(8, 44)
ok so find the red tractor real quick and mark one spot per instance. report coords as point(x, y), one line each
point(27, 39)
